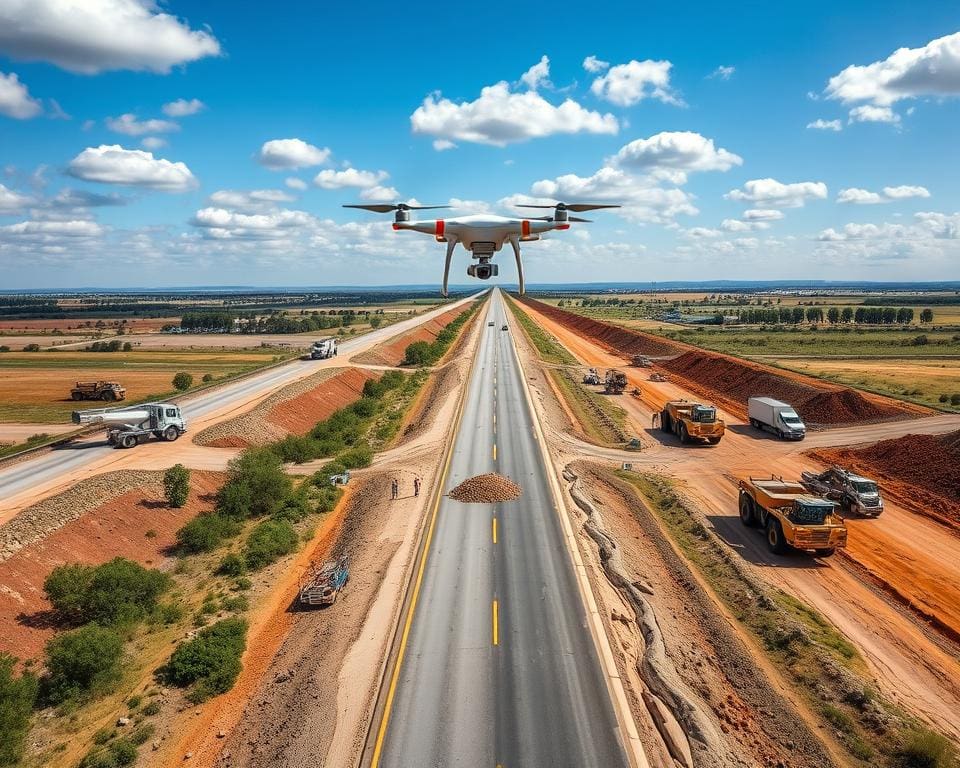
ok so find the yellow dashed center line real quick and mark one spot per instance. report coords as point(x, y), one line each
point(494, 530)
point(496, 623)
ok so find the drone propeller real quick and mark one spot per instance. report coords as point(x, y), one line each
point(388, 207)
point(569, 218)
point(575, 207)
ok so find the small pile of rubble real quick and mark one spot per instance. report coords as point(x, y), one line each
point(486, 489)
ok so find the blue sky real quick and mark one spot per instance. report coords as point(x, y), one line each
point(702, 121)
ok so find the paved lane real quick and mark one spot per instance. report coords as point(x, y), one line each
point(500, 667)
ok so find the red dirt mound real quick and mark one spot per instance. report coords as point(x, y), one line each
point(299, 415)
point(921, 470)
point(391, 351)
point(616, 339)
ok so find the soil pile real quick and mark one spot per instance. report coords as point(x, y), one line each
point(921, 470)
point(391, 352)
point(617, 339)
point(734, 381)
point(486, 489)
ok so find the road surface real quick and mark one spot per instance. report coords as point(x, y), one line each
point(499, 667)
point(45, 472)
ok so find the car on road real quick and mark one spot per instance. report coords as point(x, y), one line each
point(505, 328)
point(490, 323)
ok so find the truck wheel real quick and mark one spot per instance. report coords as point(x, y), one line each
point(824, 552)
point(109, 396)
point(76, 396)
point(747, 515)
point(665, 425)
point(170, 434)
point(713, 440)
point(775, 541)
point(128, 441)
point(684, 436)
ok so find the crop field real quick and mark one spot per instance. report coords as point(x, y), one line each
point(35, 386)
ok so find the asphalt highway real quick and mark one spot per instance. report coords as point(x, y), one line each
point(499, 667)
point(45, 467)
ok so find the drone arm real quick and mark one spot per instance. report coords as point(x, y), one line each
point(515, 242)
point(451, 244)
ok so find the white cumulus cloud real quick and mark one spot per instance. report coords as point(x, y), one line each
point(183, 107)
point(722, 72)
point(889, 194)
point(294, 183)
point(593, 65)
point(905, 191)
point(762, 214)
point(380, 194)
point(92, 36)
point(349, 177)
point(279, 154)
point(537, 75)
point(630, 83)
point(251, 201)
point(129, 125)
point(153, 142)
point(825, 125)
point(501, 116)
point(676, 152)
point(11, 201)
point(112, 164)
point(15, 99)
point(868, 113)
point(773, 193)
point(859, 196)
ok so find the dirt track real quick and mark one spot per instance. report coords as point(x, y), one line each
point(911, 556)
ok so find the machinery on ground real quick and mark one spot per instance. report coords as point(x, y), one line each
point(615, 382)
point(692, 421)
point(108, 391)
point(322, 585)
point(658, 377)
point(136, 424)
point(641, 361)
point(484, 234)
point(791, 517)
point(592, 377)
point(323, 349)
point(852, 492)
point(774, 416)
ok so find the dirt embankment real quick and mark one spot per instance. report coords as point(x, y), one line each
point(392, 350)
point(293, 410)
point(730, 381)
point(922, 472)
point(121, 514)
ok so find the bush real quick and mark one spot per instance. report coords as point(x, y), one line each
point(18, 693)
point(207, 377)
point(944, 398)
point(417, 353)
point(235, 604)
point(268, 542)
point(358, 457)
point(925, 749)
point(82, 663)
point(127, 347)
point(210, 661)
point(4, 348)
point(295, 449)
point(182, 381)
point(121, 752)
point(115, 592)
point(176, 485)
point(205, 533)
point(151, 708)
point(231, 565)
point(955, 398)
point(32, 348)
point(257, 485)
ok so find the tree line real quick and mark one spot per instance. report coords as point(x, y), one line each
point(833, 315)
point(227, 322)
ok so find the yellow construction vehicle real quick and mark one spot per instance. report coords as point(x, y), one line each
point(692, 421)
point(791, 516)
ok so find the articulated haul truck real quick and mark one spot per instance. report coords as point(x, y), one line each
point(126, 427)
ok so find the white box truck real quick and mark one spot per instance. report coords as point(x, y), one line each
point(323, 349)
point(774, 416)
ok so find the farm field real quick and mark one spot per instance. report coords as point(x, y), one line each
point(35, 386)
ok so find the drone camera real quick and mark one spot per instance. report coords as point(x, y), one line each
point(482, 271)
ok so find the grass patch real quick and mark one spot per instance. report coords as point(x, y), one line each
point(550, 350)
point(823, 667)
point(602, 421)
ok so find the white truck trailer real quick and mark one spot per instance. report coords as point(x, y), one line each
point(323, 349)
point(126, 427)
point(774, 416)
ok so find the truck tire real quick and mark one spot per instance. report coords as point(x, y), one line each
point(748, 515)
point(665, 425)
point(128, 441)
point(713, 440)
point(826, 552)
point(754, 423)
point(775, 540)
point(684, 435)
point(171, 433)
point(109, 396)
point(77, 396)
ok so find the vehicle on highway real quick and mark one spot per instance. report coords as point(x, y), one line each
point(852, 492)
point(136, 424)
point(323, 349)
point(692, 421)
point(322, 585)
point(505, 327)
point(777, 417)
point(490, 324)
point(98, 390)
point(791, 516)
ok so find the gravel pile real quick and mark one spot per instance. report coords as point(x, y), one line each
point(49, 515)
point(486, 489)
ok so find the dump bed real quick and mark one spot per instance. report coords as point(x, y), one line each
point(774, 492)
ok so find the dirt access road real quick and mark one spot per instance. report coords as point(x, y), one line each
point(904, 552)
point(25, 482)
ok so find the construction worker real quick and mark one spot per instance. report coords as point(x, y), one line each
point(394, 489)
point(416, 486)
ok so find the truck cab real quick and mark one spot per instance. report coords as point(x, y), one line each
point(129, 426)
point(777, 417)
point(323, 349)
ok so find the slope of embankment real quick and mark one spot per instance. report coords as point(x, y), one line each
point(391, 351)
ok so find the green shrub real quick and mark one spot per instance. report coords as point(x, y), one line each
point(18, 693)
point(210, 662)
point(242, 584)
point(207, 377)
point(231, 565)
point(142, 733)
point(257, 485)
point(357, 457)
point(296, 508)
point(151, 708)
point(205, 533)
point(134, 701)
point(295, 449)
point(268, 542)
point(4, 348)
point(82, 663)
point(167, 614)
point(182, 381)
point(944, 398)
point(115, 592)
point(417, 353)
point(955, 398)
point(235, 604)
point(176, 485)
point(926, 749)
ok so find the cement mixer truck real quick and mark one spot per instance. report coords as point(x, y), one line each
point(126, 427)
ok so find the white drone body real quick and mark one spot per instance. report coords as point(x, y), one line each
point(483, 234)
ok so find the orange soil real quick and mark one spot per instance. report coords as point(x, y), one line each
point(116, 528)
point(269, 627)
point(391, 351)
point(299, 415)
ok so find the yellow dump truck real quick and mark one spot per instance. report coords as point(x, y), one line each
point(791, 516)
point(692, 421)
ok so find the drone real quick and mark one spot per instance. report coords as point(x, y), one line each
point(484, 234)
